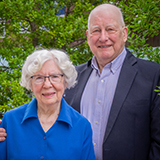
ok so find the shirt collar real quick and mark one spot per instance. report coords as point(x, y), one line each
point(64, 115)
point(31, 110)
point(113, 65)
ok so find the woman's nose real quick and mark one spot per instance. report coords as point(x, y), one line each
point(47, 82)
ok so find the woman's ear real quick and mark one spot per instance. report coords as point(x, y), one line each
point(31, 87)
point(65, 85)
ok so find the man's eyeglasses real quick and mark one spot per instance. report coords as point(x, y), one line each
point(54, 78)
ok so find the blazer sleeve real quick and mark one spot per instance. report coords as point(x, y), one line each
point(155, 123)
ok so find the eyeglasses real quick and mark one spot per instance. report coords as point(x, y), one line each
point(110, 30)
point(54, 78)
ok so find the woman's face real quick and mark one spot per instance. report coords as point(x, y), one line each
point(47, 93)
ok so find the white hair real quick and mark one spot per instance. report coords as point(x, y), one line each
point(35, 61)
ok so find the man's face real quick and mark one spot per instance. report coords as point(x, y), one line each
point(106, 37)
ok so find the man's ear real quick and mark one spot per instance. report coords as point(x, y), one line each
point(87, 34)
point(125, 33)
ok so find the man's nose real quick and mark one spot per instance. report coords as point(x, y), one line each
point(103, 36)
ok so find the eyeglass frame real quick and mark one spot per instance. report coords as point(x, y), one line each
point(110, 32)
point(44, 78)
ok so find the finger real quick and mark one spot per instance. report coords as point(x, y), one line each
point(3, 134)
point(2, 139)
point(2, 130)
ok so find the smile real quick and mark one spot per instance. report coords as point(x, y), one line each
point(104, 46)
point(48, 94)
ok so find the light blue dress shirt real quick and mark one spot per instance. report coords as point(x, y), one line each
point(70, 137)
point(98, 96)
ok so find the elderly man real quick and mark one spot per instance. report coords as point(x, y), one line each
point(115, 92)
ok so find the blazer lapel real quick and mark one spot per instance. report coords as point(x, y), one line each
point(126, 78)
point(84, 75)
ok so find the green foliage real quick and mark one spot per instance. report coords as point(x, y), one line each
point(142, 19)
point(34, 23)
point(157, 90)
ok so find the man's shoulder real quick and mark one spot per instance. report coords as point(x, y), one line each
point(83, 66)
point(147, 66)
point(141, 62)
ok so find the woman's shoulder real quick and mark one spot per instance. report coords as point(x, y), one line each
point(16, 111)
point(77, 118)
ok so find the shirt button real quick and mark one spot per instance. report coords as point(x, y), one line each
point(102, 80)
point(99, 101)
point(41, 157)
point(44, 137)
point(94, 144)
point(96, 122)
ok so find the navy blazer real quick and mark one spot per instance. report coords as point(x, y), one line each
point(133, 129)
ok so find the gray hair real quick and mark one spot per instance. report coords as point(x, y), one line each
point(35, 61)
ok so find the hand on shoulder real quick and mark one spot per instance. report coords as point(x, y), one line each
point(3, 133)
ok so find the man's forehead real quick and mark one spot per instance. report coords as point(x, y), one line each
point(98, 26)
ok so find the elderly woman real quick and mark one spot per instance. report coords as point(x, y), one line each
point(47, 127)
